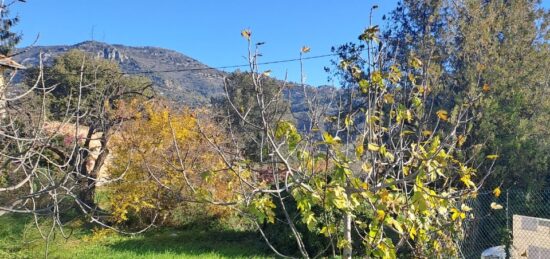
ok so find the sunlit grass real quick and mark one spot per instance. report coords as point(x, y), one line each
point(19, 239)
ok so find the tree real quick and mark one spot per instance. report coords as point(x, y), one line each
point(495, 48)
point(385, 173)
point(8, 38)
point(86, 92)
point(152, 174)
point(503, 49)
point(238, 86)
point(492, 47)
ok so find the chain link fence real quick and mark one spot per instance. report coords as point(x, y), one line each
point(514, 225)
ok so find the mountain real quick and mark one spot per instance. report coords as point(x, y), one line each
point(191, 88)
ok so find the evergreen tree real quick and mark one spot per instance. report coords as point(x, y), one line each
point(501, 48)
point(241, 108)
point(8, 38)
point(496, 47)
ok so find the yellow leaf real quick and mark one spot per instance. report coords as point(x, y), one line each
point(331, 140)
point(396, 224)
point(460, 140)
point(246, 34)
point(343, 243)
point(367, 167)
point(389, 156)
point(437, 245)
point(348, 121)
point(497, 191)
point(380, 214)
point(407, 132)
point(359, 150)
point(486, 88)
point(426, 133)
point(465, 207)
point(305, 49)
point(412, 233)
point(389, 99)
point(373, 147)
point(496, 206)
point(455, 214)
point(492, 157)
point(480, 67)
point(406, 170)
point(467, 181)
point(416, 62)
point(443, 115)
point(364, 85)
point(413, 80)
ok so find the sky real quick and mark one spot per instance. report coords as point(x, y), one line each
point(207, 30)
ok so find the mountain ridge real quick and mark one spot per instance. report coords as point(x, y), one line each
point(196, 87)
point(190, 88)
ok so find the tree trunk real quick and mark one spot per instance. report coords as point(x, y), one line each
point(347, 236)
point(87, 194)
point(3, 102)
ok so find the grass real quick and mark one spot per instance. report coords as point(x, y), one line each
point(20, 239)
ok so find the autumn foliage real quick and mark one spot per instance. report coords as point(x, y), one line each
point(162, 161)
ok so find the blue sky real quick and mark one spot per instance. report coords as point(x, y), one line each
point(207, 30)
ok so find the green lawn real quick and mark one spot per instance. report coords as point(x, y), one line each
point(20, 239)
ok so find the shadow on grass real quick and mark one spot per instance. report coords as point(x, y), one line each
point(226, 243)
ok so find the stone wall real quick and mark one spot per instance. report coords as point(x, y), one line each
point(531, 237)
point(70, 133)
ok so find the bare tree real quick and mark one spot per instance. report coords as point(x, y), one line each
point(49, 165)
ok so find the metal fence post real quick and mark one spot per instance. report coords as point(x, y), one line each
point(508, 244)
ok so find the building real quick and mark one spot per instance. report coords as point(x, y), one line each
point(6, 63)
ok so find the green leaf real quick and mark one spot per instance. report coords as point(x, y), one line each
point(364, 85)
point(286, 129)
point(395, 224)
point(492, 157)
point(377, 78)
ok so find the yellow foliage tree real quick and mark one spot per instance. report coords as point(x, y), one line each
point(160, 161)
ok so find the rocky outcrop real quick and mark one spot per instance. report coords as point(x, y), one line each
point(112, 54)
